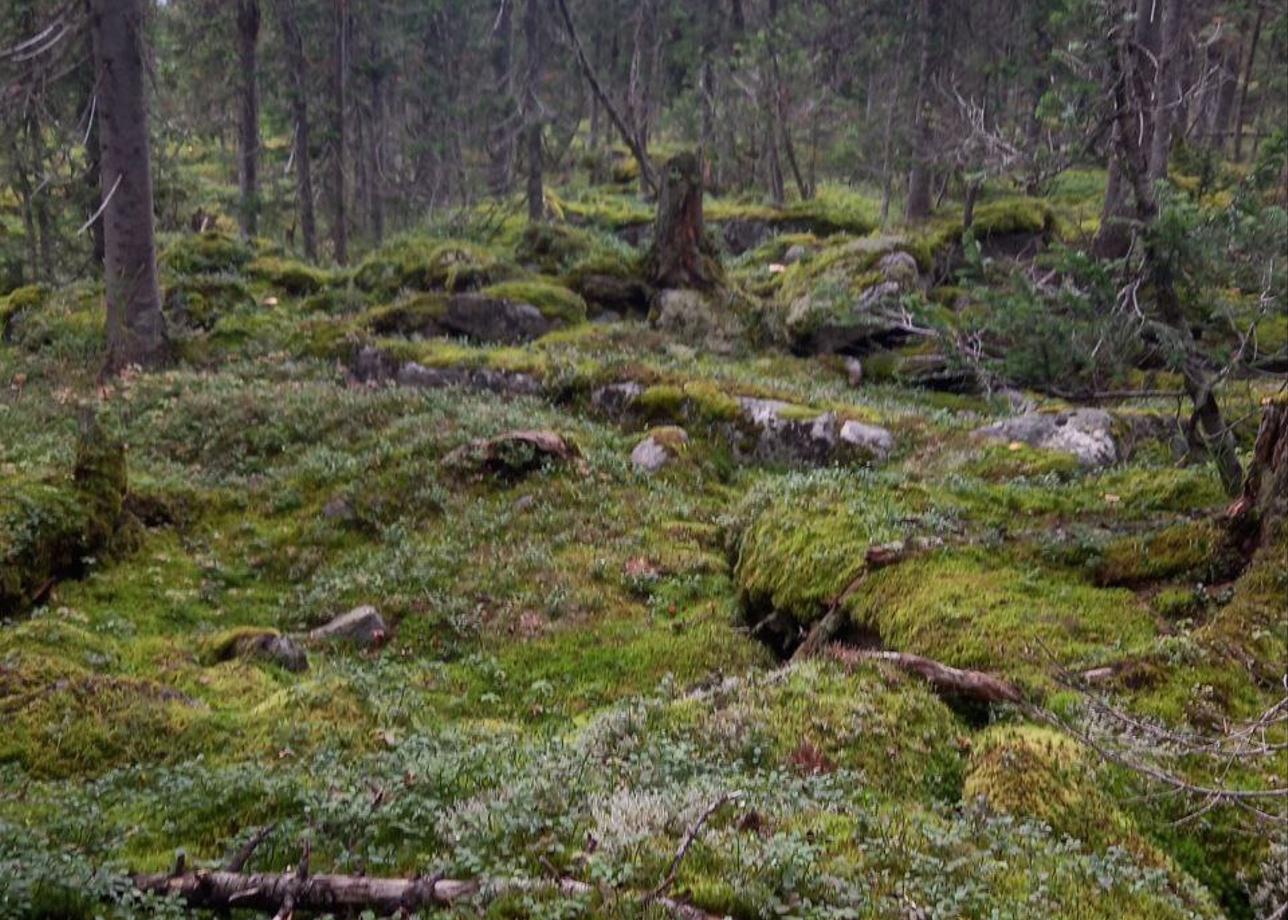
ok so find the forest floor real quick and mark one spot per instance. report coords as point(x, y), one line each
point(580, 656)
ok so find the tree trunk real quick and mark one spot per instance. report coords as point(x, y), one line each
point(1241, 110)
point(1167, 89)
point(681, 256)
point(534, 39)
point(340, 85)
point(1264, 501)
point(502, 152)
point(248, 22)
point(376, 127)
point(298, 65)
point(135, 327)
point(918, 206)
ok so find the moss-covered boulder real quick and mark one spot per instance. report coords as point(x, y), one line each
point(1035, 772)
point(211, 252)
point(291, 277)
point(199, 301)
point(422, 264)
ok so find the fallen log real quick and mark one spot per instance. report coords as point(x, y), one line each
point(269, 893)
point(943, 679)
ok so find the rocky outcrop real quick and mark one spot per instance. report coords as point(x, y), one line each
point(371, 365)
point(513, 454)
point(1087, 434)
point(758, 430)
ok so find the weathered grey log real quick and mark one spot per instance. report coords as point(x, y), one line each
point(268, 892)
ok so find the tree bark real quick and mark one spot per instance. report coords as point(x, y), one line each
point(681, 256)
point(248, 22)
point(534, 39)
point(918, 205)
point(340, 85)
point(298, 66)
point(135, 327)
point(501, 170)
point(376, 127)
point(1241, 110)
point(1167, 89)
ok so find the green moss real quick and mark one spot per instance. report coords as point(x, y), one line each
point(553, 248)
point(1035, 772)
point(555, 301)
point(970, 609)
point(48, 529)
point(15, 302)
point(696, 401)
point(200, 301)
point(1000, 462)
point(206, 253)
point(1199, 550)
point(294, 278)
point(426, 264)
point(800, 539)
point(418, 314)
point(1252, 628)
point(1175, 603)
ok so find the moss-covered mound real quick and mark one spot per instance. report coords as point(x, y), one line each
point(211, 252)
point(424, 264)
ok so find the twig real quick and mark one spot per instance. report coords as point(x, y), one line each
point(687, 842)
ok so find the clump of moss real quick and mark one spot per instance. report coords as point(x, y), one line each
point(294, 278)
point(556, 302)
point(694, 401)
point(1198, 549)
point(418, 314)
point(971, 609)
point(552, 248)
point(1000, 462)
point(1035, 772)
point(206, 253)
point(798, 540)
point(431, 265)
point(198, 301)
point(18, 301)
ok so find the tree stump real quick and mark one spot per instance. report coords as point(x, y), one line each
point(1264, 501)
point(681, 255)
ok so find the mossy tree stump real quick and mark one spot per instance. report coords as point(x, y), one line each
point(681, 255)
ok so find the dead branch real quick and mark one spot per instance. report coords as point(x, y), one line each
point(943, 679)
point(687, 842)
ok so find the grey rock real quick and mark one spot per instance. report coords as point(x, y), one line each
point(657, 450)
point(364, 626)
point(371, 365)
point(279, 650)
point(871, 440)
point(493, 319)
point(616, 399)
point(853, 371)
point(794, 254)
point(338, 509)
point(899, 268)
point(1085, 433)
point(511, 383)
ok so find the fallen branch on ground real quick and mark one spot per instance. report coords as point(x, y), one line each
point(945, 680)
